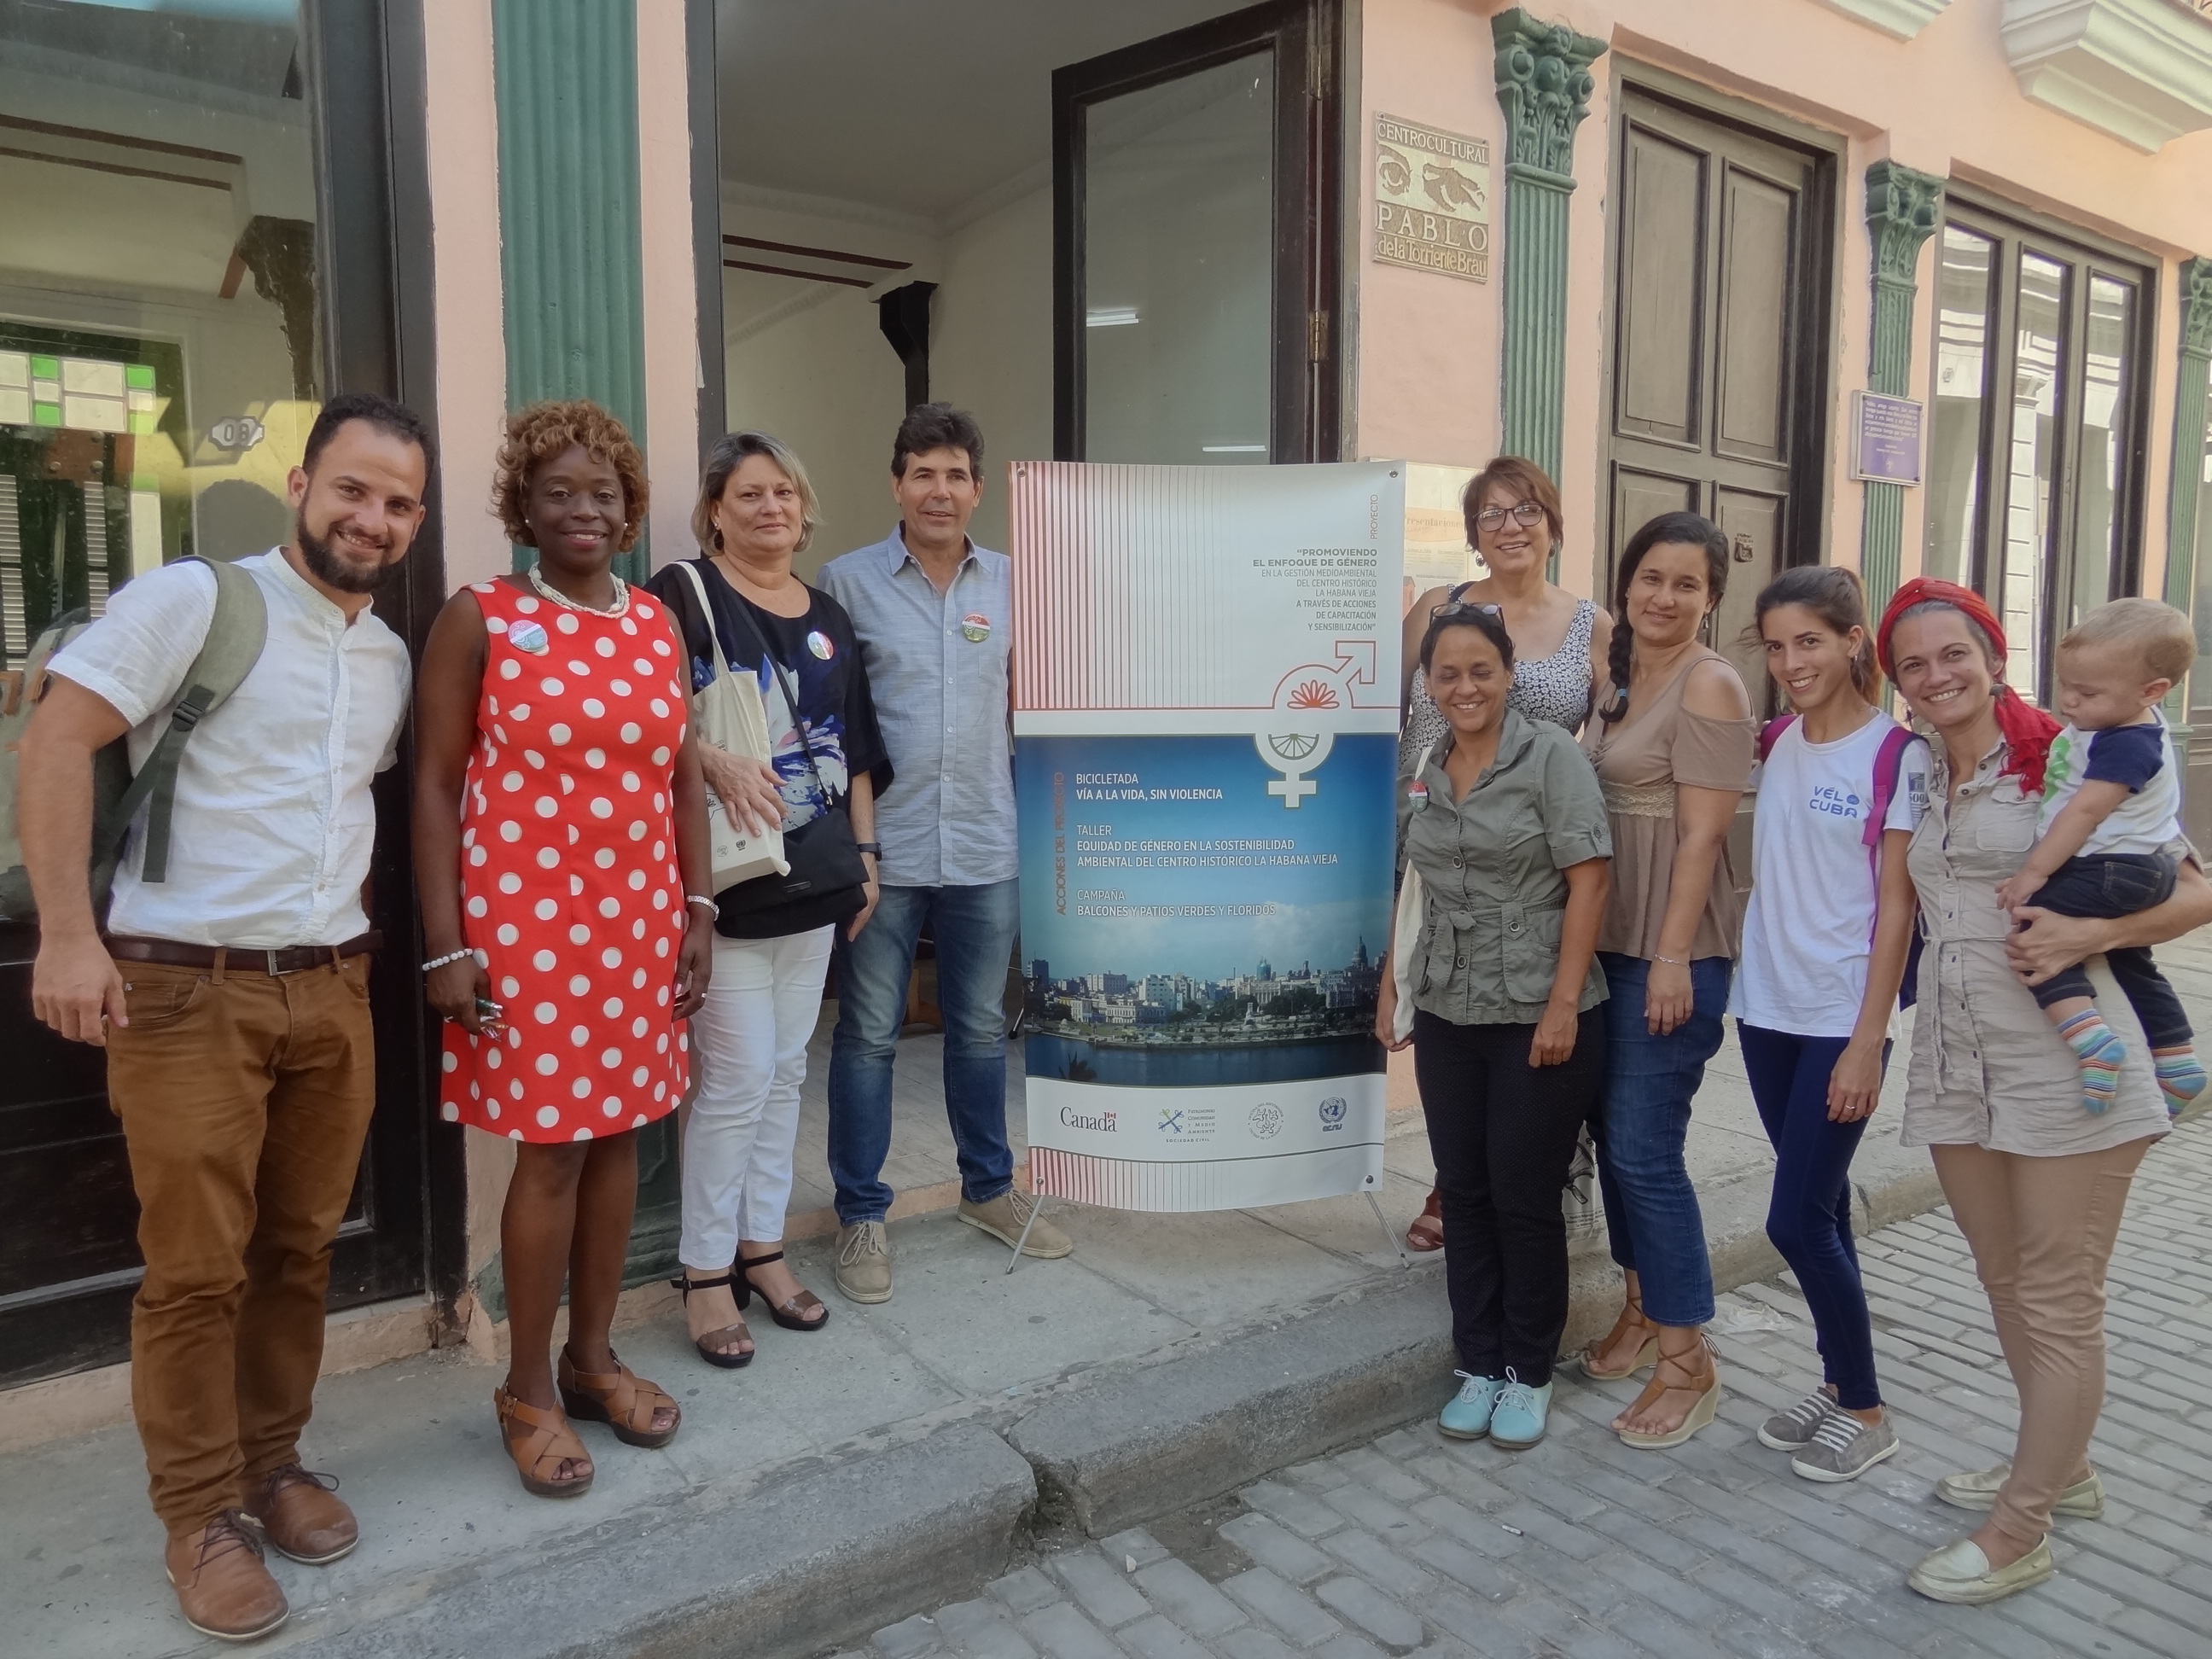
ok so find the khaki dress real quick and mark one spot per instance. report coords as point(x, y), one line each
point(1639, 762)
point(1987, 1068)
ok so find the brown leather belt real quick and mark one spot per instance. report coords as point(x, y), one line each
point(235, 959)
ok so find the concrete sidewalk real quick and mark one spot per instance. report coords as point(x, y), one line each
point(846, 1477)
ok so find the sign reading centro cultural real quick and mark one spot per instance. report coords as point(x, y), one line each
point(1206, 713)
point(1431, 199)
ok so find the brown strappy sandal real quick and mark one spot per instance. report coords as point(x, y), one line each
point(538, 1440)
point(1631, 1314)
point(706, 1344)
point(1705, 1382)
point(792, 1314)
point(1427, 1231)
point(620, 1399)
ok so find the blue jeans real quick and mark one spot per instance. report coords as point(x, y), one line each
point(974, 929)
point(1652, 1215)
point(1809, 1217)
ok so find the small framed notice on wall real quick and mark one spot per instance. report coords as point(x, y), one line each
point(1885, 439)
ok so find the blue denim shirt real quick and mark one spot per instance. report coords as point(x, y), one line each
point(937, 665)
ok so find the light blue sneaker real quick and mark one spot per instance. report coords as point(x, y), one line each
point(1519, 1413)
point(1467, 1415)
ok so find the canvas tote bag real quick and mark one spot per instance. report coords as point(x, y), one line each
point(728, 713)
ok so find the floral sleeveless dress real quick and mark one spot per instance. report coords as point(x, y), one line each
point(570, 893)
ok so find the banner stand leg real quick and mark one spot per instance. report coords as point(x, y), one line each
point(1404, 1261)
point(1036, 1208)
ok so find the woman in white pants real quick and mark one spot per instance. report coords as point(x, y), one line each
point(756, 509)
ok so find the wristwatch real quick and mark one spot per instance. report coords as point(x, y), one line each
point(875, 847)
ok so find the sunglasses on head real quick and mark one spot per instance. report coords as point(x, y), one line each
point(1462, 608)
point(1525, 513)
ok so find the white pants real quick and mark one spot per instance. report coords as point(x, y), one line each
point(749, 1043)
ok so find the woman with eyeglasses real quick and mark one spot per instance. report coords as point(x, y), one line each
point(1503, 821)
point(1672, 743)
point(1559, 643)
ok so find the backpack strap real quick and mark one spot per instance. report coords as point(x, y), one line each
point(1770, 733)
point(1888, 767)
point(235, 635)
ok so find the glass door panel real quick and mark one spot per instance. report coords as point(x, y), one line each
point(1964, 313)
point(1178, 273)
point(2033, 465)
point(2107, 390)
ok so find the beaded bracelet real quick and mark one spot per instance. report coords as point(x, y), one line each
point(448, 960)
point(713, 910)
point(1672, 962)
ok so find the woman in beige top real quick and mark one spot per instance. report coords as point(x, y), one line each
point(2035, 1183)
point(1672, 743)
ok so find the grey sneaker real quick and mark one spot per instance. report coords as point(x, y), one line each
point(1843, 1448)
point(1005, 1215)
point(1977, 1490)
point(863, 1262)
point(1788, 1430)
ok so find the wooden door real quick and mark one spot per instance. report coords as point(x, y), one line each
point(1717, 381)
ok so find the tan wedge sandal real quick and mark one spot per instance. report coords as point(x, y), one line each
point(620, 1399)
point(540, 1442)
point(1631, 1314)
point(1673, 1374)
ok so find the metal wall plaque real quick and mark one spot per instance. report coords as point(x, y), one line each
point(1885, 439)
point(1431, 199)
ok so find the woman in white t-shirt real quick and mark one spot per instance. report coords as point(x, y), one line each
point(1825, 941)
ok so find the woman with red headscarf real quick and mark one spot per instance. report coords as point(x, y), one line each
point(2035, 1183)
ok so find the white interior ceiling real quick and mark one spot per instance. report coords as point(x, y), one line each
point(925, 109)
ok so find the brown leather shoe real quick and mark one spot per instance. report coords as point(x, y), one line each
point(299, 1512)
point(223, 1589)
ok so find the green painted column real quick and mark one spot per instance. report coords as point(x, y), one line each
point(566, 78)
point(1902, 210)
point(2185, 488)
point(1544, 86)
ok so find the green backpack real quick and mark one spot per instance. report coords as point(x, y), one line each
point(232, 646)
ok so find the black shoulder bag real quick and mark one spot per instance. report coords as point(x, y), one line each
point(828, 882)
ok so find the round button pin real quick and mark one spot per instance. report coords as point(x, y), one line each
point(975, 627)
point(818, 643)
point(528, 636)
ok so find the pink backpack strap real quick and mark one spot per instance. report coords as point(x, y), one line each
point(1770, 733)
point(1888, 767)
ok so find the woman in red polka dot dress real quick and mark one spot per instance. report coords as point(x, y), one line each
point(559, 786)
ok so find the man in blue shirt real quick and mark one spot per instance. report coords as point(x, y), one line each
point(933, 613)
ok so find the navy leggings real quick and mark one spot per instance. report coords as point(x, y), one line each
point(1809, 1217)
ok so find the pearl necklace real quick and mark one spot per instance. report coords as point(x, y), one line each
point(618, 608)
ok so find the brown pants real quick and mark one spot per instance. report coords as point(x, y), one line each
point(2042, 1232)
point(245, 1100)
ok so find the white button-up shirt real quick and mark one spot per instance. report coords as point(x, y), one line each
point(271, 831)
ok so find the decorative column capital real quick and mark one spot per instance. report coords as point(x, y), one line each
point(1544, 86)
point(2197, 308)
point(1902, 211)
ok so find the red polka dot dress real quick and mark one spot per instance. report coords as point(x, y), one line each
point(570, 893)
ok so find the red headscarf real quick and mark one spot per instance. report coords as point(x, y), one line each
point(2027, 730)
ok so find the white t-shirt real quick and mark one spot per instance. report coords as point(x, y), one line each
point(272, 826)
point(2149, 818)
point(1809, 929)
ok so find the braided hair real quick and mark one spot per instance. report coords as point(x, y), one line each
point(1668, 529)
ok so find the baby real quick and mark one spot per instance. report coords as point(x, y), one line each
point(2112, 812)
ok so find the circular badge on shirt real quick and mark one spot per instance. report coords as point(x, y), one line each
point(818, 643)
point(1418, 792)
point(975, 627)
point(528, 636)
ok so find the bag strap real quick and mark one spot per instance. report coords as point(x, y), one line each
point(707, 615)
point(790, 694)
point(236, 633)
point(1770, 733)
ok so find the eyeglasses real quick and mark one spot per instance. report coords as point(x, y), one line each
point(1525, 513)
point(1463, 608)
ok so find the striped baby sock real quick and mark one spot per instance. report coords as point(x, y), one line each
point(2181, 1075)
point(2099, 1054)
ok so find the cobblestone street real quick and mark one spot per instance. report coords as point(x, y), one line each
point(1582, 1546)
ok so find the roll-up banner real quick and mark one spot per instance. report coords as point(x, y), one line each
point(1205, 711)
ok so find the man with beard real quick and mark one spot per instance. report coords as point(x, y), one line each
point(231, 996)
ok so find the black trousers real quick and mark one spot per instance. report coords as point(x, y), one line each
point(2117, 884)
point(1503, 1132)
